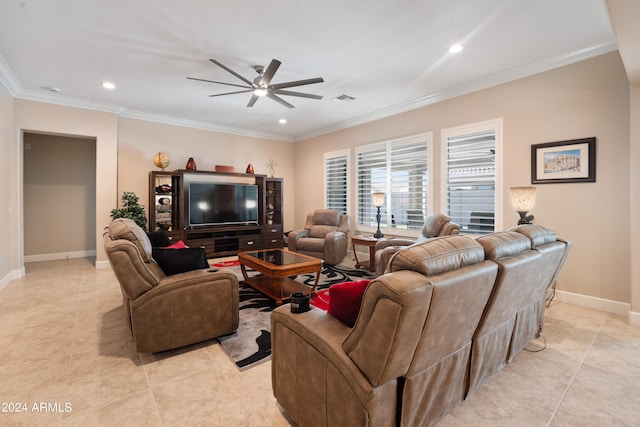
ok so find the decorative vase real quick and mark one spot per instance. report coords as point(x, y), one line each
point(191, 164)
point(250, 168)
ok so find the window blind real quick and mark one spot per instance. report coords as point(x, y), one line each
point(399, 169)
point(336, 181)
point(471, 181)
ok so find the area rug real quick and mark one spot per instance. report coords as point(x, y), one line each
point(251, 343)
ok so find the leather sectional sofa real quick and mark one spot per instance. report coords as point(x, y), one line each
point(448, 314)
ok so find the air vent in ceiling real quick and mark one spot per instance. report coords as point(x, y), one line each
point(344, 98)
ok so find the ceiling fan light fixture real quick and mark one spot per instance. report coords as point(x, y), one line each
point(260, 91)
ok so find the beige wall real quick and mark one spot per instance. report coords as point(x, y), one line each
point(8, 249)
point(590, 98)
point(59, 188)
point(634, 197)
point(37, 117)
point(140, 140)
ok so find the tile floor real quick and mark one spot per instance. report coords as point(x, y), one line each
point(66, 354)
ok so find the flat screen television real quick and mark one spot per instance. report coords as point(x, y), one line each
point(222, 203)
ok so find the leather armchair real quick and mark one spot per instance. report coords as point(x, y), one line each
point(324, 236)
point(166, 312)
point(436, 225)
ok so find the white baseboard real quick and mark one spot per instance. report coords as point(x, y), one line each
point(12, 275)
point(103, 264)
point(601, 304)
point(60, 255)
point(634, 318)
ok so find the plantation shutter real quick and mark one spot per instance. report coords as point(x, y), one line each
point(471, 181)
point(398, 168)
point(335, 170)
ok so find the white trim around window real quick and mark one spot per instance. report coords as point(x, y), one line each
point(477, 131)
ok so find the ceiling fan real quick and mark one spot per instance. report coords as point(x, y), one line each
point(261, 85)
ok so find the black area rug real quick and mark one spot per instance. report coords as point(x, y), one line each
point(251, 343)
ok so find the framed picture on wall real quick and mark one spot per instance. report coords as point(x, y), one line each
point(564, 161)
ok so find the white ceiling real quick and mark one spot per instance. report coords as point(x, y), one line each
point(390, 55)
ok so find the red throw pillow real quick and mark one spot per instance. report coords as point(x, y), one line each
point(177, 245)
point(345, 300)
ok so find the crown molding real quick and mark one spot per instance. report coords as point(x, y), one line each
point(9, 80)
point(567, 58)
point(157, 118)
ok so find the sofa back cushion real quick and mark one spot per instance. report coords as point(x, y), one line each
point(324, 221)
point(437, 255)
point(124, 228)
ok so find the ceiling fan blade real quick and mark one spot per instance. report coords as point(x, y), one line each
point(230, 93)
point(296, 83)
point(269, 72)
point(300, 94)
point(280, 100)
point(229, 70)
point(253, 100)
point(220, 83)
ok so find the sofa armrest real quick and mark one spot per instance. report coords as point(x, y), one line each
point(304, 348)
point(384, 243)
point(186, 308)
point(294, 236)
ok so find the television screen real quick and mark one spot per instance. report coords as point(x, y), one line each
point(217, 203)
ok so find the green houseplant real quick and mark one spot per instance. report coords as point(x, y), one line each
point(131, 209)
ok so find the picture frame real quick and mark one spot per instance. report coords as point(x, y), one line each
point(559, 162)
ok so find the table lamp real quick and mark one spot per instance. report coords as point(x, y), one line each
point(523, 199)
point(378, 201)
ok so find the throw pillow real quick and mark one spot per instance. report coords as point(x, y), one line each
point(159, 238)
point(177, 245)
point(175, 261)
point(345, 300)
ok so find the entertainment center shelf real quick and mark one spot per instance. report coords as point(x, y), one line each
point(233, 229)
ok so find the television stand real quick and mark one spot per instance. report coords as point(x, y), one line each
point(225, 240)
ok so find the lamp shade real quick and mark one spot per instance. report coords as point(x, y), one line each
point(378, 199)
point(523, 199)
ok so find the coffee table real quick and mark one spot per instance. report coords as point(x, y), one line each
point(276, 265)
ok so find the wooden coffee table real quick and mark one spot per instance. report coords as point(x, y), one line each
point(276, 265)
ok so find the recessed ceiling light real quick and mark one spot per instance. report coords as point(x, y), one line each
point(282, 121)
point(108, 85)
point(456, 48)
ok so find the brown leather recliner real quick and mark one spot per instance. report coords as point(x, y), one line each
point(324, 236)
point(405, 360)
point(166, 312)
point(436, 225)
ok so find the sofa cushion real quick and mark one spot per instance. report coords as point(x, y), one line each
point(538, 234)
point(159, 239)
point(177, 245)
point(124, 228)
point(438, 255)
point(175, 261)
point(310, 244)
point(503, 244)
point(345, 300)
point(434, 224)
point(324, 221)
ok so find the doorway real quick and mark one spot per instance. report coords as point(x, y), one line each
point(59, 196)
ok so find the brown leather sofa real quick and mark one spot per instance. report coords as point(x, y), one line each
point(166, 312)
point(408, 359)
point(324, 236)
point(436, 225)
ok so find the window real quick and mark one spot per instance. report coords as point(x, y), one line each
point(470, 177)
point(398, 168)
point(336, 180)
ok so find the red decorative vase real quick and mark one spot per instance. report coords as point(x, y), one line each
point(191, 164)
point(250, 168)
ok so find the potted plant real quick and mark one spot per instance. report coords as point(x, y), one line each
point(131, 209)
point(270, 210)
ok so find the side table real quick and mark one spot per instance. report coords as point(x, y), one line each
point(370, 242)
